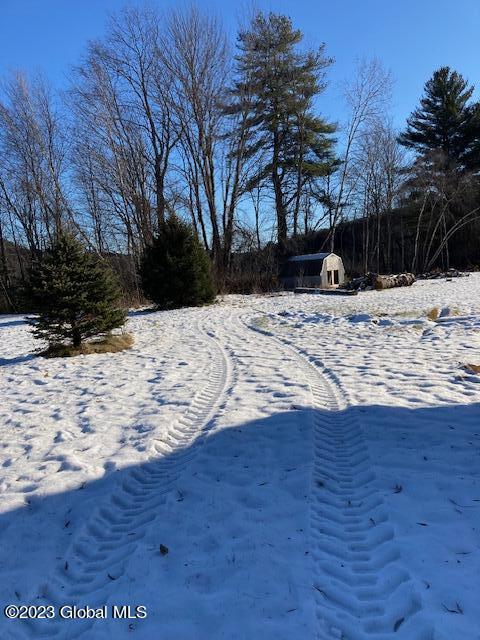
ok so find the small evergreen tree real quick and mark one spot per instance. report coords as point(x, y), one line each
point(175, 269)
point(76, 294)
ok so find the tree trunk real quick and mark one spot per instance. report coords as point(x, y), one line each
point(277, 188)
point(76, 336)
point(280, 209)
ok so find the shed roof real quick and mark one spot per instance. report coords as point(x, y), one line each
point(311, 256)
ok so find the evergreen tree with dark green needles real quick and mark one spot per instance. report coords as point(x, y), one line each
point(277, 83)
point(176, 269)
point(76, 294)
point(446, 125)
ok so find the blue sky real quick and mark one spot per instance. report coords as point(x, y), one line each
point(411, 37)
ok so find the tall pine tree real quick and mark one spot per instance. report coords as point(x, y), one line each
point(76, 294)
point(278, 84)
point(446, 125)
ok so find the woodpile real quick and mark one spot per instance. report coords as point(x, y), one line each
point(372, 281)
point(433, 275)
point(363, 283)
point(400, 280)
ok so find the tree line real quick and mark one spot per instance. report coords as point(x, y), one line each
point(165, 117)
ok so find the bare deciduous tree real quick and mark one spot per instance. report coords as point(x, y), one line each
point(33, 169)
point(366, 97)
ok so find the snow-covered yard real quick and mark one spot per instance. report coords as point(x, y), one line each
point(283, 468)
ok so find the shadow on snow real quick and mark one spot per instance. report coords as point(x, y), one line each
point(234, 494)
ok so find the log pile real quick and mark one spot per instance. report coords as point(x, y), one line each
point(433, 275)
point(363, 283)
point(400, 280)
point(372, 281)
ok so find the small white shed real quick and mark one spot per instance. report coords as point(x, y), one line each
point(324, 270)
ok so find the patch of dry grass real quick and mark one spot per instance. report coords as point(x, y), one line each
point(448, 312)
point(107, 344)
point(261, 322)
point(472, 368)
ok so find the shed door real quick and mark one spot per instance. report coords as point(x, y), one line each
point(333, 276)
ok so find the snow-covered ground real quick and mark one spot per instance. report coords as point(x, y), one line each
point(284, 467)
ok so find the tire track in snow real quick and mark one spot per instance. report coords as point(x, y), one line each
point(99, 555)
point(361, 588)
